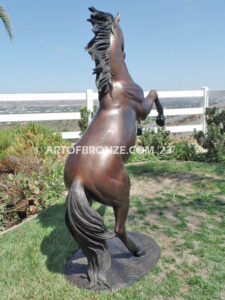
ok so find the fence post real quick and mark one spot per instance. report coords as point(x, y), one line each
point(90, 101)
point(205, 105)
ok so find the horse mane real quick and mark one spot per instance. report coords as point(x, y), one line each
point(98, 48)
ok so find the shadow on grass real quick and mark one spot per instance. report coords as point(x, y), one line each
point(185, 207)
point(157, 172)
point(214, 205)
point(160, 168)
point(59, 244)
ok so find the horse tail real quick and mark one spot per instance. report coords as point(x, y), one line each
point(88, 229)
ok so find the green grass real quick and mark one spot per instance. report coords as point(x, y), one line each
point(159, 168)
point(186, 217)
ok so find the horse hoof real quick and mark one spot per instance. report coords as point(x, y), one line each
point(160, 120)
point(139, 253)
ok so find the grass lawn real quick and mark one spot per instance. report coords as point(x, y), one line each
point(181, 205)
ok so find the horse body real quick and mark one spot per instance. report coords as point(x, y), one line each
point(102, 173)
point(113, 127)
point(101, 176)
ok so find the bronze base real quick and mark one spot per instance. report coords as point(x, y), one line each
point(125, 269)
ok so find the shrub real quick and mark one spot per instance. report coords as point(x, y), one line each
point(84, 120)
point(156, 144)
point(184, 150)
point(6, 139)
point(214, 139)
point(31, 139)
point(23, 195)
point(138, 157)
point(159, 140)
point(30, 179)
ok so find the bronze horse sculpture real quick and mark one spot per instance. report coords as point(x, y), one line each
point(102, 176)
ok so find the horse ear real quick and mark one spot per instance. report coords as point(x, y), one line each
point(117, 18)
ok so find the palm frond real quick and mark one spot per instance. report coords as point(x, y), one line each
point(6, 21)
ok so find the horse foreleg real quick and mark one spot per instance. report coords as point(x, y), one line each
point(150, 99)
point(120, 229)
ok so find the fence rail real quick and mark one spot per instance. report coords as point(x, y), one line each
point(90, 96)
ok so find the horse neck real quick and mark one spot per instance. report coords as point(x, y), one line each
point(118, 65)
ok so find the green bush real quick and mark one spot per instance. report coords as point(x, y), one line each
point(159, 140)
point(26, 194)
point(29, 139)
point(157, 145)
point(214, 139)
point(6, 139)
point(84, 118)
point(138, 157)
point(31, 178)
point(184, 150)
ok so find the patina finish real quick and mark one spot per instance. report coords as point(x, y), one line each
point(102, 176)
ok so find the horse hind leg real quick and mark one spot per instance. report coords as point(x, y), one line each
point(120, 229)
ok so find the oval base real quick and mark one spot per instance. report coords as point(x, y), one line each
point(125, 270)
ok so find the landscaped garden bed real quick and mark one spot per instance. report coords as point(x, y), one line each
point(181, 205)
point(31, 178)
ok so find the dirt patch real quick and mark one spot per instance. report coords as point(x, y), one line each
point(150, 187)
point(153, 187)
point(144, 188)
point(193, 222)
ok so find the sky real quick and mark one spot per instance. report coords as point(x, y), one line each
point(169, 44)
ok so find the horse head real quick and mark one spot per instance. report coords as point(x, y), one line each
point(106, 48)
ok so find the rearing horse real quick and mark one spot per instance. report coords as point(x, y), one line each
point(102, 176)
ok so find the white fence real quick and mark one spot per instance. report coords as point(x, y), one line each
point(90, 96)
